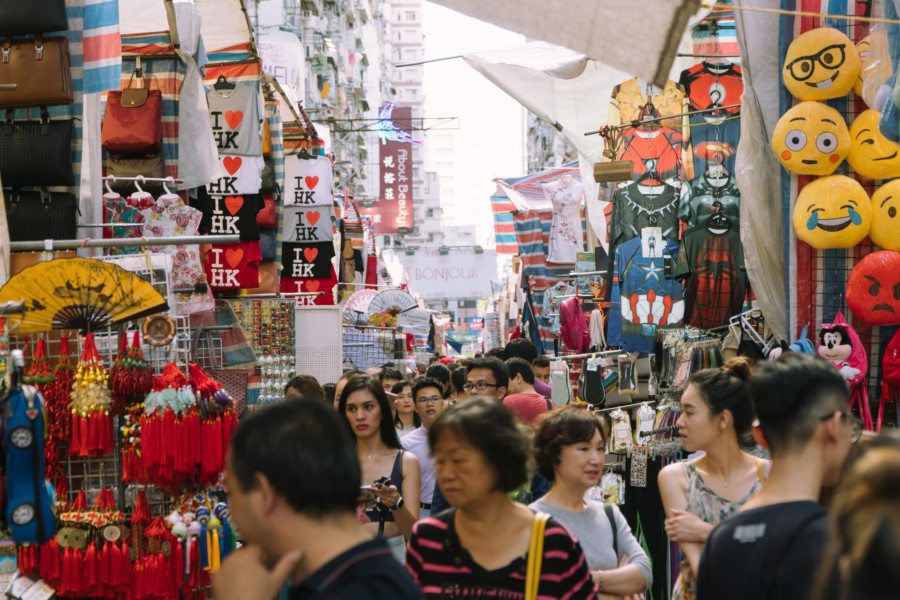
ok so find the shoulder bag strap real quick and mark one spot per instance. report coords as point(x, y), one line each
point(608, 509)
point(782, 551)
point(760, 472)
point(535, 556)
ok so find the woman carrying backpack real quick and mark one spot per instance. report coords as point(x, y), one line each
point(570, 448)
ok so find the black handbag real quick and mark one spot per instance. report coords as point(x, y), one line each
point(34, 16)
point(36, 153)
point(37, 215)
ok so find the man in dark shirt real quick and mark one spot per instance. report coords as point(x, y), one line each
point(773, 548)
point(293, 480)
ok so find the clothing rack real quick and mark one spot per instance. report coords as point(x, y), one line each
point(691, 113)
point(584, 273)
point(142, 179)
point(588, 355)
point(51, 245)
point(624, 406)
point(689, 55)
point(573, 295)
point(668, 429)
point(276, 295)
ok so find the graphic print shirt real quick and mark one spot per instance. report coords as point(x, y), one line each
point(235, 119)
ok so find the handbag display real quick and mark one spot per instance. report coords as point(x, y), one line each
point(267, 218)
point(35, 72)
point(133, 119)
point(149, 165)
point(268, 179)
point(41, 215)
point(36, 16)
point(36, 152)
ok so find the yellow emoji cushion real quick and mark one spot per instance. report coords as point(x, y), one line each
point(811, 139)
point(872, 155)
point(885, 229)
point(832, 212)
point(868, 69)
point(820, 64)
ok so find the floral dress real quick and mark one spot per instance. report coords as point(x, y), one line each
point(171, 217)
point(566, 240)
point(711, 508)
point(117, 209)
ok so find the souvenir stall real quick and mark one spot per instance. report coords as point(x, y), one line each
point(171, 216)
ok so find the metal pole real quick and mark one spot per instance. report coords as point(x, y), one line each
point(589, 355)
point(579, 273)
point(51, 245)
point(688, 55)
point(656, 119)
point(624, 406)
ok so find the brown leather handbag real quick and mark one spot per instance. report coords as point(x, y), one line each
point(35, 72)
point(133, 119)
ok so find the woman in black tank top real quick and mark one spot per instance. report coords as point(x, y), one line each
point(366, 410)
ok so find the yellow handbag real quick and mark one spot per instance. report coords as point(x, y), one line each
point(535, 556)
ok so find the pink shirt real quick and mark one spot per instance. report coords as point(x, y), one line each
point(526, 407)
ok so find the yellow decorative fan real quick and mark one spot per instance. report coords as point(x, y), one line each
point(78, 293)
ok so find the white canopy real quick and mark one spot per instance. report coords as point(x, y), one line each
point(634, 37)
point(224, 21)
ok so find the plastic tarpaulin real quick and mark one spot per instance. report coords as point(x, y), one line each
point(224, 22)
point(640, 38)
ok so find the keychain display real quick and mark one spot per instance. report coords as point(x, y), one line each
point(638, 471)
point(620, 440)
point(613, 488)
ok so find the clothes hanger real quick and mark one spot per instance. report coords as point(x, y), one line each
point(222, 84)
point(718, 223)
point(165, 185)
point(109, 189)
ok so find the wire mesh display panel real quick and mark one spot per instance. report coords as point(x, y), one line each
point(318, 342)
point(367, 347)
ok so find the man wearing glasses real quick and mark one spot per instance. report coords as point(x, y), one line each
point(774, 546)
point(428, 394)
point(487, 378)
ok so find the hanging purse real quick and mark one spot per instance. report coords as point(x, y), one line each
point(41, 215)
point(35, 72)
point(133, 120)
point(268, 178)
point(36, 16)
point(36, 152)
point(150, 165)
point(267, 218)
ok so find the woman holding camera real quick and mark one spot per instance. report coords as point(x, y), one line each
point(391, 507)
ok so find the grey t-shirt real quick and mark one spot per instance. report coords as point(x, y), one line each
point(592, 530)
point(234, 116)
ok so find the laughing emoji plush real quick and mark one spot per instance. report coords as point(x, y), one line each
point(820, 65)
point(872, 155)
point(885, 229)
point(832, 212)
point(811, 139)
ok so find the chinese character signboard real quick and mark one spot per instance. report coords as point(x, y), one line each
point(396, 177)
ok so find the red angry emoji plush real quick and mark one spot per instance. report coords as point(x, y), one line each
point(873, 289)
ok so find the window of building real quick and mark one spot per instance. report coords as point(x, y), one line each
point(429, 212)
point(430, 237)
point(410, 15)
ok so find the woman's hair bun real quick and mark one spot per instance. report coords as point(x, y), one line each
point(739, 367)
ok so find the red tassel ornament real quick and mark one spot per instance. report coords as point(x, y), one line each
point(92, 423)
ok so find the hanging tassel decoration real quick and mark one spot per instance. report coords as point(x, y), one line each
point(92, 423)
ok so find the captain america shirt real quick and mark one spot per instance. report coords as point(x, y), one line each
point(645, 296)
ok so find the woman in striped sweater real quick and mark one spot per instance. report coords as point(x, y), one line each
point(479, 548)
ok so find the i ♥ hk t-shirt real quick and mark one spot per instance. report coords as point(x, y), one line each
point(308, 182)
point(322, 288)
point(235, 119)
point(306, 261)
point(233, 267)
point(228, 214)
point(307, 224)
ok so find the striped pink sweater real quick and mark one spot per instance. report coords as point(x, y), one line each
point(444, 569)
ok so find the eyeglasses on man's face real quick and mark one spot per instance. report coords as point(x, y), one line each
point(478, 385)
point(856, 424)
point(428, 400)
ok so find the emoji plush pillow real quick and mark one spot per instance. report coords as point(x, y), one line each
point(811, 139)
point(885, 230)
point(872, 155)
point(873, 288)
point(820, 65)
point(832, 212)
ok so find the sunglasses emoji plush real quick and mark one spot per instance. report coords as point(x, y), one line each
point(811, 139)
point(821, 64)
point(885, 230)
point(872, 155)
point(832, 212)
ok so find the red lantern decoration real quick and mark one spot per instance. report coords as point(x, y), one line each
point(873, 289)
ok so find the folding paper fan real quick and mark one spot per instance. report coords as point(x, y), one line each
point(392, 302)
point(357, 305)
point(78, 293)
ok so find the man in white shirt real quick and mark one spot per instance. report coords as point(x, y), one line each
point(428, 394)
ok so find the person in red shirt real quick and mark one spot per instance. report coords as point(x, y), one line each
point(525, 403)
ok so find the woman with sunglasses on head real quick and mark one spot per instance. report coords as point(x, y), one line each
point(570, 452)
point(716, 414)
point(406, 419)
point(390, 509)
point(488, 546)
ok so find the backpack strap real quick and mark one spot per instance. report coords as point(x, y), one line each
point(782, 552)
point(608, 509)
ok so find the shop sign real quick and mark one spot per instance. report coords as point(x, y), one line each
point(454, 275)
point(393, 211)
point(282, 56)
point(415, 320)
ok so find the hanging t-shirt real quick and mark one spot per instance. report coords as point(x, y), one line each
point(657, 150)
point(306, 261)
point(716, 284)
point(228, 214)
point(644, 297)
point(552, 300)
point(712, 138)
point(322, 288)
point(698, 199)
point(243, 175)
point(636, 206)
point(235, 119)
point(308, 182)
point(233, 266)
point(307, 224)
point(566, 237)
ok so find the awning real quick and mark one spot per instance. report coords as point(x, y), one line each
point(639, 38)
point(224, 24)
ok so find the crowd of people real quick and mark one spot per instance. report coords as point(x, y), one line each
point(467, 482)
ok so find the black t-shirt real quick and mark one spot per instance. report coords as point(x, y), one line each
point(365, 572)
point(785, 541)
